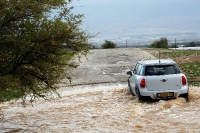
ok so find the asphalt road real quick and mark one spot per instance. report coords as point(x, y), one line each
point(107, 65)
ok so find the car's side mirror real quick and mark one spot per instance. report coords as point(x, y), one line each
point(129, 73)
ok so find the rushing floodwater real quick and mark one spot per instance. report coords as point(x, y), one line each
point(102, 109)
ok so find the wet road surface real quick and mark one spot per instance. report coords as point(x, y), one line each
point(108, 109)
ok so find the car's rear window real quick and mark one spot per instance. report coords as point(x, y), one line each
point(160, 70)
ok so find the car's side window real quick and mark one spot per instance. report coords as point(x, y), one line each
point(142, 70)
point(177, 68)
point(138, 69)
point(135, 69)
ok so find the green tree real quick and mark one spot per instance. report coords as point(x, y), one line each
point(192, 44)
point(162, 43)
point(108, 44)
point(37, 40)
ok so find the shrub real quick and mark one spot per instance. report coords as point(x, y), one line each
point(162, 43)
point(108, 44)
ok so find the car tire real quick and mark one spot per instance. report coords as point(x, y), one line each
point(129, 86)
point(186, 96)
point(138, 96)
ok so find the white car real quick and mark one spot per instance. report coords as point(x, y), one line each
point(158, 79)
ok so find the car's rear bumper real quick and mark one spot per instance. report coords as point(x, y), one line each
point(154, 94)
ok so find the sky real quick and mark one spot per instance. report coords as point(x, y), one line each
point(117, 18)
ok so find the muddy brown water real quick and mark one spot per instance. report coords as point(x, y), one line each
point(105, 109)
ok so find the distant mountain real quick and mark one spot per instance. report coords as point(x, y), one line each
point(145, 40)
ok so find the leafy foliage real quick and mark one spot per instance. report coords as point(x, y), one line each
point(37, 40)
point(162, 43)
point(192, 44)
point(108, 44)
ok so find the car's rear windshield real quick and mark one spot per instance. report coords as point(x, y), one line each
point(160, 70)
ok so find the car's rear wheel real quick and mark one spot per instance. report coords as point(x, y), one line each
point(129, 86)
point(138, 96)
point(186, 96)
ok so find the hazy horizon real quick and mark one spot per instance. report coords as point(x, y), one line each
point(114, 18)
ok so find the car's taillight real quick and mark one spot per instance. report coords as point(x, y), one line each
point(143, 83)
point(184, 81)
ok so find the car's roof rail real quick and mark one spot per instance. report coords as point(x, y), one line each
point(143, 61)
point(170, 59)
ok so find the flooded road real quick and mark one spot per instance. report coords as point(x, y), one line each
point(100, 102)
point(108, 109)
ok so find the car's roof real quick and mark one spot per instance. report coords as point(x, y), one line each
point(157, 61)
